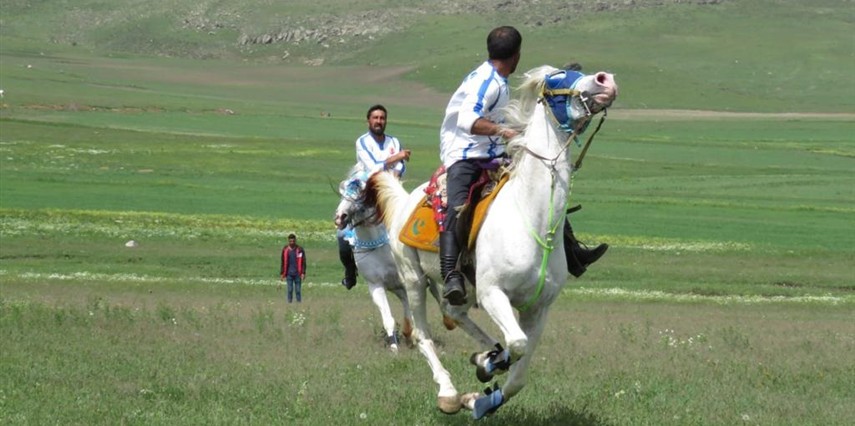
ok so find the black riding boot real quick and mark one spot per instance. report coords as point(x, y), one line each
point(345, 254)
point(453, 290)
point(579, 257)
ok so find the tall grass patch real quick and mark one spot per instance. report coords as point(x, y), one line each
point(190, 353)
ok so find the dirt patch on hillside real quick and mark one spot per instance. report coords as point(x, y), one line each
point(386, 85)
point(691, 114)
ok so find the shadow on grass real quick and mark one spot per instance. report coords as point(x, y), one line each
point(551, 416)
point(564, 416)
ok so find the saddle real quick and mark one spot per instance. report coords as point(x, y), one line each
point(422, 228)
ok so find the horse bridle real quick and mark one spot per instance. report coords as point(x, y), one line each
point(586, 101)
point(354, 219)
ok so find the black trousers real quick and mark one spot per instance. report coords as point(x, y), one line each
point(459, 178)
point(345, 254)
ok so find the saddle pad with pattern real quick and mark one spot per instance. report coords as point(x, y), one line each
point(422, 232)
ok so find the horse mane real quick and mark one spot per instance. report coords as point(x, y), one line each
point(519, 111)
point(385, 193)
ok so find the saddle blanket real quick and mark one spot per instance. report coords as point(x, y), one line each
point(421, 230)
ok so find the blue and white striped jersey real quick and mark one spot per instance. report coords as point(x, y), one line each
point(482, 94)
point(372, 155)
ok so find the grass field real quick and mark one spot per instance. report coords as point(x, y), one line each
point(727, 296)
point(190, 352)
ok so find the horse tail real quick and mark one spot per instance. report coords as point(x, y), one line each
point(385, 192)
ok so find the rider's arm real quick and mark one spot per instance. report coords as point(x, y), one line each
point(485, 127)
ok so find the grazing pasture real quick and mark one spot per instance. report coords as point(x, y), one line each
point(727, 296)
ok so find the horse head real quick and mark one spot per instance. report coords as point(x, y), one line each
point(568, 98)
point(573, 98)
point(596, 93)
point(352, 210)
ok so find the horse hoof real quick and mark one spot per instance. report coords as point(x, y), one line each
point(477, 359)
point(449, 323)
point(394, 348)
point(449, 404)
point(482, 375)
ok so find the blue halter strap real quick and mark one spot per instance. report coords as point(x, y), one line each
point(559, 90)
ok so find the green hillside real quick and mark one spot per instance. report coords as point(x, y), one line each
point(154, 156)
point(770, 56)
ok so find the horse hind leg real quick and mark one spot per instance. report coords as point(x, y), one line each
point(448, 399)
point(407, 331)
point(449, 323)
point(407, 328)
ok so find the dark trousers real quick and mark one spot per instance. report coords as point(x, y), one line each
point(459, 177)
point(345, 254)
point(295, 285)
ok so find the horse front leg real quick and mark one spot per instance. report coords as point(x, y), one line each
point(533, 323)
point(378, 296)
point(497, 305)
point(520, 337)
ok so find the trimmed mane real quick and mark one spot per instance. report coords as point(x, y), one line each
point(385, 192)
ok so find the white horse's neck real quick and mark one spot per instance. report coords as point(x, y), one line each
point(370, 236)
point(369, 231)
point(542, 176)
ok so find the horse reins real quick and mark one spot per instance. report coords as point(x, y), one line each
point(547, 243)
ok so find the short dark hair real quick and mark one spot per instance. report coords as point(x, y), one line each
point(375, 108)
point(503, 42)
point(292, 236)
point(573, 66)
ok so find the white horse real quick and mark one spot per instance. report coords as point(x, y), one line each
point(520, 263)
point(374, 258)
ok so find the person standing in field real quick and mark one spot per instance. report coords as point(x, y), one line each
point(375, 151)
point(471, 136)
point(293, 268)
